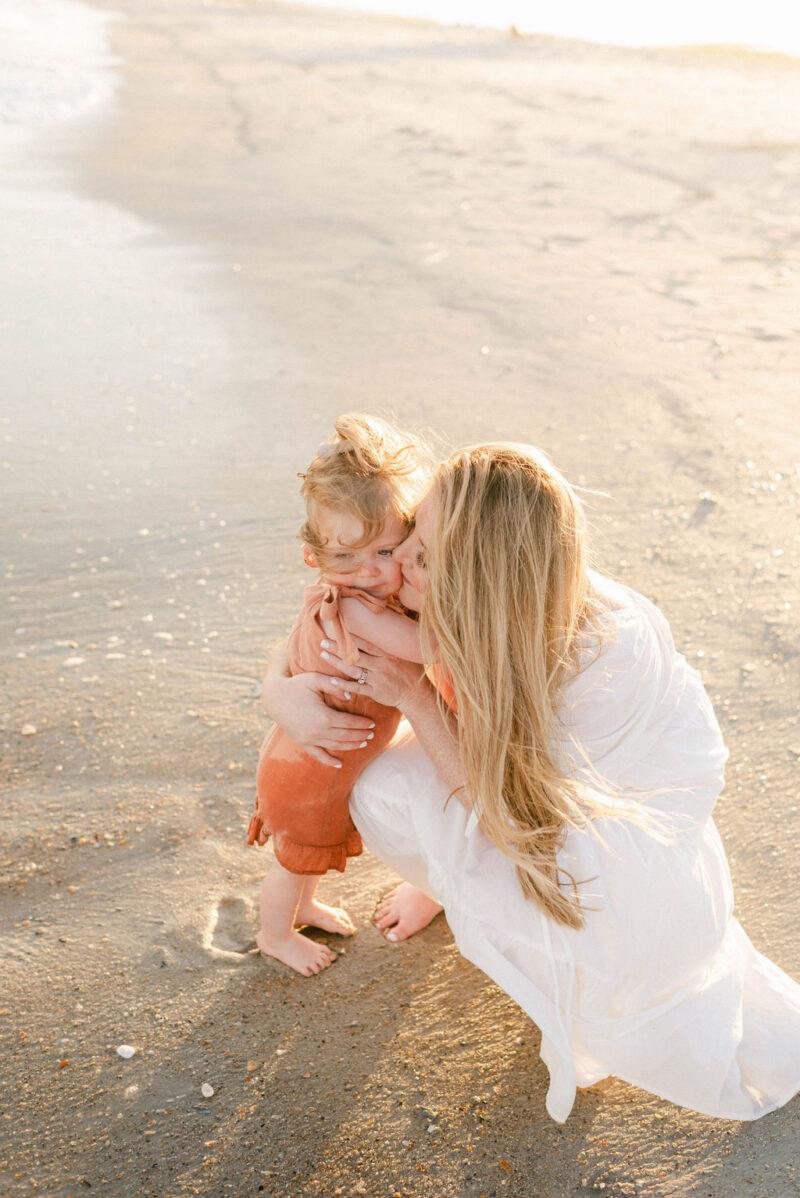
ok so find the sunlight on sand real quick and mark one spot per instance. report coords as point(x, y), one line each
point(773, 25)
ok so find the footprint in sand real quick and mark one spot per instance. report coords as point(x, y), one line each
point(232, 926)
point(228, 938)
point(177, 946)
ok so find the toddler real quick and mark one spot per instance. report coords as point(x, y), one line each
point(361, 492)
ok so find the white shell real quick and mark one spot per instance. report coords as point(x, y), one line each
point(126, 1051)
point(206, 1090)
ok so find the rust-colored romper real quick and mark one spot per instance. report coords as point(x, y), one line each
point(301, 803)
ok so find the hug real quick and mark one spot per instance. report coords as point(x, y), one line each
point(516, 734)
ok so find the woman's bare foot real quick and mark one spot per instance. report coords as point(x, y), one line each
point(302, 954)
point(318, 915)
point(404, 911)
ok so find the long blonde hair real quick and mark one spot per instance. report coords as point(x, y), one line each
point(508, 593)
point(369, 469)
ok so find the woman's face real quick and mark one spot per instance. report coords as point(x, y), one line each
point(411, 556)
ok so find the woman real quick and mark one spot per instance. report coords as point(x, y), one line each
point(564, 819)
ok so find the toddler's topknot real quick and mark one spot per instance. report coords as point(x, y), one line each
point(369, 469)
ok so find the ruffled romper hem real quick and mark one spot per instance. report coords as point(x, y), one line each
point(306, 859)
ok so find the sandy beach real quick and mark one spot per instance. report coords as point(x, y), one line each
point(273, 215)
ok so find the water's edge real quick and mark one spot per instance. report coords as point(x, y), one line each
point(55, 67)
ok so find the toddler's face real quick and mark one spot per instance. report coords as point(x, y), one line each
point(369, 567)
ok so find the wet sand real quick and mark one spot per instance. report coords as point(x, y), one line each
point(282, 215)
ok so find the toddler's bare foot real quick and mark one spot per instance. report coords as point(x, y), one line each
point(302, 954)
point(330, 919)
point(404, 911)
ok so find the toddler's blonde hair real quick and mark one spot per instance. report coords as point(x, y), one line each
point(368, 469)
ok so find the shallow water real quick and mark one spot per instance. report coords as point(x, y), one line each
point(54, 64)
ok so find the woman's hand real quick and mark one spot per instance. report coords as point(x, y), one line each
point(404, 685)
point(297, 704)
point(387, 680)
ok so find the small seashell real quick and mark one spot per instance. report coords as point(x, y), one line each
point(28, 729)
point(126, 1051)
point(206, 1090)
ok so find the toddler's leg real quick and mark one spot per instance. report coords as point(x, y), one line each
point(281, 893)
point(330, 919)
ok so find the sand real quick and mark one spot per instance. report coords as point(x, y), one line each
point(282, 214)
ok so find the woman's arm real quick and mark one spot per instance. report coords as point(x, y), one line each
point(437, 732)
point(404, 685)
point(297, 705)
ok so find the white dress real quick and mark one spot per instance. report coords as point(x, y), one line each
point(662, 987)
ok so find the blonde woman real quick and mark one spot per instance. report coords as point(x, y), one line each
point(563, 819)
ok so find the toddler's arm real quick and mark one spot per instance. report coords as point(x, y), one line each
point(395, 634)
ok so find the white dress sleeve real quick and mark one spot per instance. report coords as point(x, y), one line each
point(636, 714)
